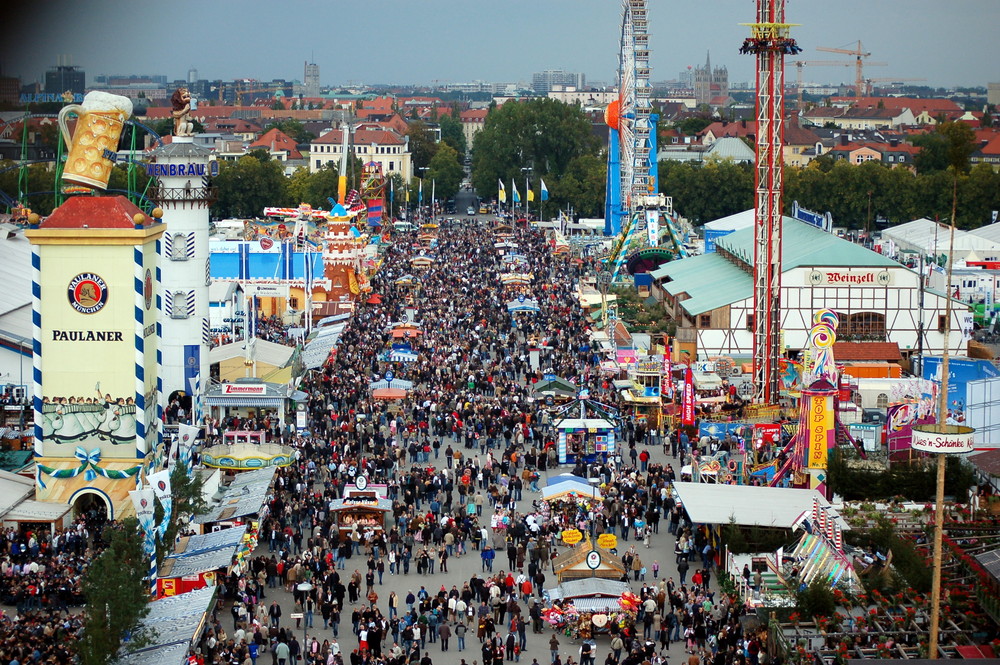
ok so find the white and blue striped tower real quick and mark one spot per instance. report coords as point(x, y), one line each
point(183, 170)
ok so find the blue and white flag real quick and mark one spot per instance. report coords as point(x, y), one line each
point(545, 191)
point(160, 482)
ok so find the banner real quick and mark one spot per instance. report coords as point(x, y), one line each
point(821, 430)
point(666, 378)
point(186, 437)
point(161, 488)
point(687, 405)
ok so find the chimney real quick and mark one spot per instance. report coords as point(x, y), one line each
point(894, 142)
point(744, 123)
point(843, 139)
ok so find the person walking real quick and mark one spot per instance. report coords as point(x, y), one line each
point(444, 632)
point(460, 630)
point(554, 647)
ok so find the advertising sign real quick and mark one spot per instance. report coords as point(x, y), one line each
point(608, 541)
point(820, 430)
point(242, 389)
point(666, 382)
point(687, 404)
point(268, 290)
point(960, 373)
point(571, 536)
point(949, 439)
point(848, 278)
point(711, 236)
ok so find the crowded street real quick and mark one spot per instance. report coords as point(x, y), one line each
point(458, 573)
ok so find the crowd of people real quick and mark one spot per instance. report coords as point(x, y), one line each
point(460, 457)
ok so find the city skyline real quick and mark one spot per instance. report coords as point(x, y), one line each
point(445, 41)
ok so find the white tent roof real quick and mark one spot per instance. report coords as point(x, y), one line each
point(930, 237)
point(776, 507)
point(264, 351)
point(990, 232)
point(586, 423)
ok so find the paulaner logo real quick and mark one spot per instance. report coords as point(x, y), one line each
point(88, 293)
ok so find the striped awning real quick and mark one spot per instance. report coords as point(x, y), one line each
point(244, 401)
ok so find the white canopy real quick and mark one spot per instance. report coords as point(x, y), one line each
point(747, 505)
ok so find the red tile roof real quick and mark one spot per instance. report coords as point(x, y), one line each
point(866, 351)
point(916, 104)
point(276, 140)
point(362, 137)
point(94, 212)
point(474, 115)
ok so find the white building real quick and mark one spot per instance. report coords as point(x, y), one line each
point(385, 147)
point(711, 296)
point(185, 273)
point(15, 311)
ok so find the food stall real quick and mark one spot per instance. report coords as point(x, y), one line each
point(591, 438)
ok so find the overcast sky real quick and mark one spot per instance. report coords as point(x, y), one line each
point(419, 41)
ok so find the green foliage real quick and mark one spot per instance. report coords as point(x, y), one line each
point(422, 145)
point(452, 134)
point(692, 125)
point(582, 186)
point(547, 135)
point(906, 560)
point(746, 540)
point(706, 191)
point(446, 171)
point(117, 596)
point(816, 600)
point(188, 502)
point(293, 128)
point(916, 483)
point(249, 185)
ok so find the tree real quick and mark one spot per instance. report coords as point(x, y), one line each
point(293, 128)
point(188, 502)
point(545, 134)
point(422, 145)
point(446, 171)
point(117, 596)
point(453, 134)
point(249, 185)
point(693, 124)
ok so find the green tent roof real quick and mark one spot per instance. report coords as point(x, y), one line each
point(806, 245)
point(712, 281)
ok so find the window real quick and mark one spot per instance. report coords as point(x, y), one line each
point(882, 401)
point(705, 321)
point(942, 323)
point(293, 303)
point(179, 301)
point(750, 321)
point(865, 323)
point(178, 247)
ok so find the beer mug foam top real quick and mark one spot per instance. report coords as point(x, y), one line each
point(93, 145)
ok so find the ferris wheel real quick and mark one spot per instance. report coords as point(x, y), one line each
point(629, 120)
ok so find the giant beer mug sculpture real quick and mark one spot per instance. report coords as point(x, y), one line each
point(93, 145)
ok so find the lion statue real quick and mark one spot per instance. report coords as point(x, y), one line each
point(181, 102)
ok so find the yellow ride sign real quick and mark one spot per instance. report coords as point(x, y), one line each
point(571, 536)
point(608, 541)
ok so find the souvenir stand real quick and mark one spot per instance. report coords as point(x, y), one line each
point(586, 429)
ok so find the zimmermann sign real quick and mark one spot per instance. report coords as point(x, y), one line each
point(848, 278)
point(943, 438)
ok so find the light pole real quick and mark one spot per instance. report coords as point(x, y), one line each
point(305, 588)
point(526, 170)
point(420, 196)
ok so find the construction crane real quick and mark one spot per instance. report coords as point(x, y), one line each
point(799, 64)
point(859, 54)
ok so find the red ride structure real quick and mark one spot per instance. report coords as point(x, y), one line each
point(770, 42)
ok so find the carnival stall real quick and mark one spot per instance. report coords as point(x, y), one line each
point(588, 607)
point(361, 511)
point(589, 438)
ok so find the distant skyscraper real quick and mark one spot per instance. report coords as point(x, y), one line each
point(710, 83)
point(310, 80)
point(61, 78)
point(192, 75)
point(542, 82)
